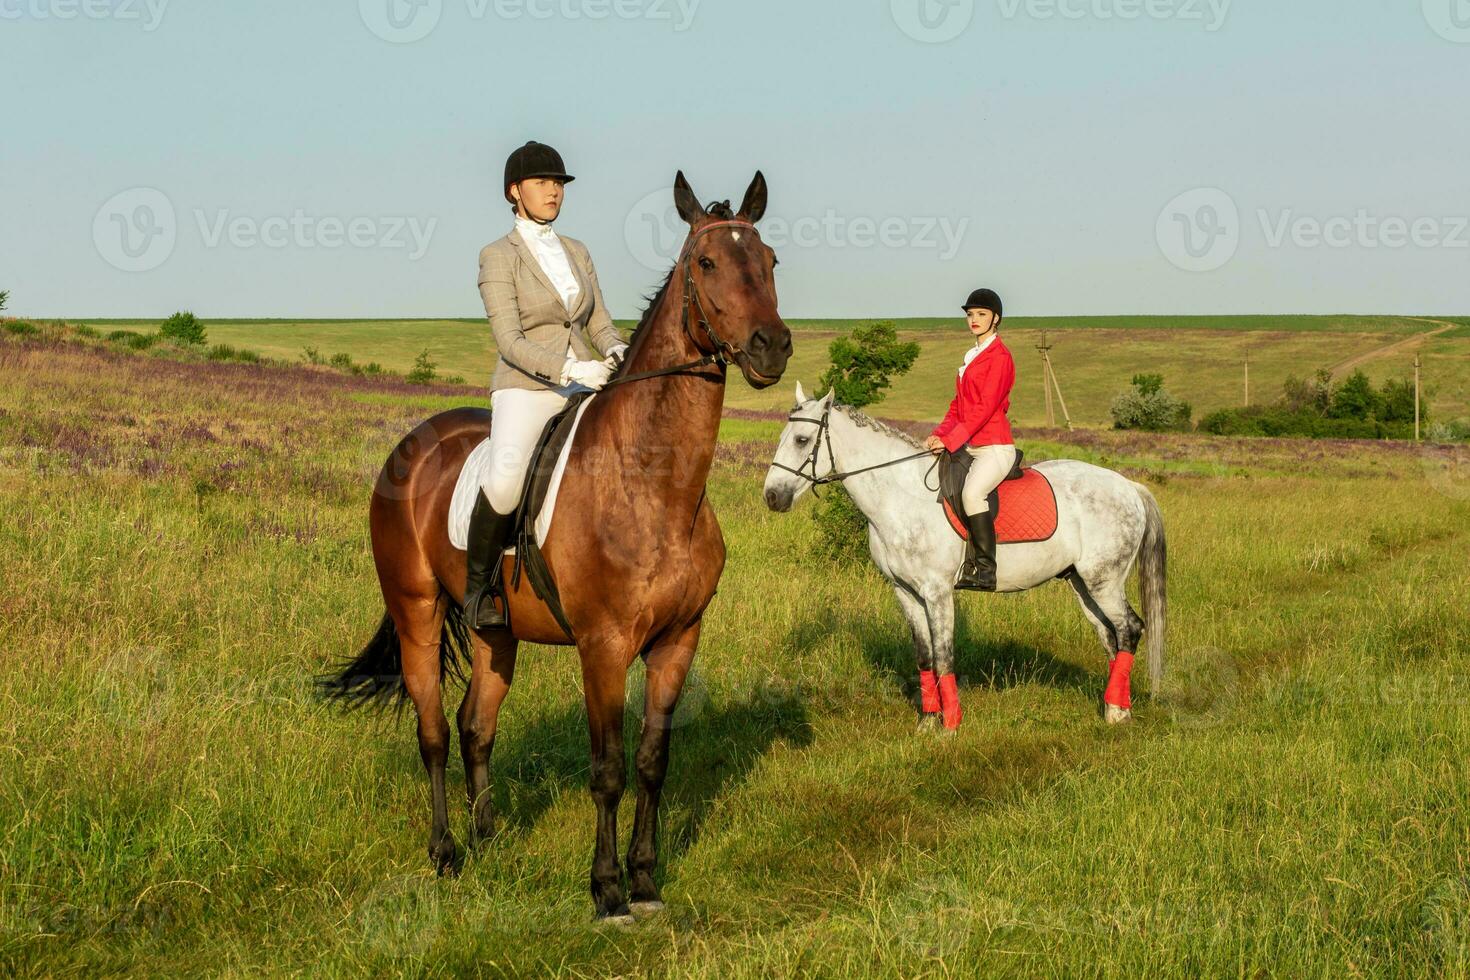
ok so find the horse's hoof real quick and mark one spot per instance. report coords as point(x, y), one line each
point(930, 724)
point(444, 857)
point(622, 918)
point(642, 910)
point(1114, 715)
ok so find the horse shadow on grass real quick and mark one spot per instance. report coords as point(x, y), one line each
point(539, 756)
point(982, 659)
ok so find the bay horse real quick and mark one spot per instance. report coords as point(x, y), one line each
point(1104, 524)
point(633, 547)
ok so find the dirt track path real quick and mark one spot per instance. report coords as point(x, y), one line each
point(1358, 360)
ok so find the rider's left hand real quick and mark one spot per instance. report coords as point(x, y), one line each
point(934, 444)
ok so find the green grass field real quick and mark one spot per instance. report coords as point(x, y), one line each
point(186, 545)
point(1201, 358)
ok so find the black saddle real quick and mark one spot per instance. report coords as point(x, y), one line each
point(533, 496)
point(955, 467)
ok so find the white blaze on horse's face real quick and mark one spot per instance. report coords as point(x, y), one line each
point(795, 451)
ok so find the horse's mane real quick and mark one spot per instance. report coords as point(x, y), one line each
point(866, 421)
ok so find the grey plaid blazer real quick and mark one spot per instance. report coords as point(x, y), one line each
point(531, 325)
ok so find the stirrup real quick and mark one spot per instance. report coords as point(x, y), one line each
point(480, 611)
point(975, 576)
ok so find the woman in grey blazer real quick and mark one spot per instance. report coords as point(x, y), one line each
point(555, 337)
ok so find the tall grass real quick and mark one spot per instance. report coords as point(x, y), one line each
point(186, 545)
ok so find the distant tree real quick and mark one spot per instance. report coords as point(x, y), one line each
point(1308, 395)
point(4, 297)
point(423, 369)
point(1396, 402)
point(1355, 399)
point(183, 327)
point(865, 362)
point(1147, 406)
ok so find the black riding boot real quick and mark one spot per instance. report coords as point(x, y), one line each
point(489, 534)
point(978, 572)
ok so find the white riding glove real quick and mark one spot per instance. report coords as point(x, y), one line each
point(593, 374)
point(615, 355)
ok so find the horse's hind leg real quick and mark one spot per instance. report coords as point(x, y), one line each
point(1119, 627)
point(419, 622)
point(490, 678)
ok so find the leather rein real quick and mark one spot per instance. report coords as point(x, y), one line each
point(824, 432)
point(724, 352)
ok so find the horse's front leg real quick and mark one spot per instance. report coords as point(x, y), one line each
point(940, 604)
point(917, 615)
point(604, 672)
point(668, 663)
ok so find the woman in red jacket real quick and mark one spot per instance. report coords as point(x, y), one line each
point(976, 422)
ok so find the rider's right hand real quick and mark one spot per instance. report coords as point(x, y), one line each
point(593, 374)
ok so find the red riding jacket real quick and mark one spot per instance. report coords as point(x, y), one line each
point(977, 415)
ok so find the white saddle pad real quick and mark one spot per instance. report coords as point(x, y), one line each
point(477, 468)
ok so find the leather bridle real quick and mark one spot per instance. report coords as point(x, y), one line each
point(724, 352)
point(824, 435)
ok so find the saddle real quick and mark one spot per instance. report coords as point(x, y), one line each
point(1024, 505)
point(544, 458)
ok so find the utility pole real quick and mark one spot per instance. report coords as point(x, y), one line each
point(1416, 396)
point(1050, 383)
point(1042, 348)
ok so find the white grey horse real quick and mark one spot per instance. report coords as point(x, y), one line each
point(1104, 523)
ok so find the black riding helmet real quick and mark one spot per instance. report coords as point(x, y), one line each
point(534, 160)
point(985, 299)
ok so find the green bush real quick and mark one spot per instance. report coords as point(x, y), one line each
point(865, 362)
point(1147, 406)
point(20, 327)
point(1456, 430)
point(312, 356)
point(423, 370)
point(184, 328)
point(82, 330)
point(132, 339)
point(1323, 409)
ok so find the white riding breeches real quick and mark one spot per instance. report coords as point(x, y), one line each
point(989, 469)
point(517, 417)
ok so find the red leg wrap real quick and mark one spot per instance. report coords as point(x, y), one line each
point(1117, 692)
point(928, 692)
point(949, 696)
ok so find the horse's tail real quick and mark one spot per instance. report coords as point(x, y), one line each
point(1152, 576)
point(374, 678)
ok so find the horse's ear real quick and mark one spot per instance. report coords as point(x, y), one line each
point(689, 207)
point(800, 395)
point(753, 208)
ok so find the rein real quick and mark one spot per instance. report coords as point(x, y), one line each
point(824, 431)
point(724, 351)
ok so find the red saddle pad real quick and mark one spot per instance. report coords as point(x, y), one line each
point(1027, 511)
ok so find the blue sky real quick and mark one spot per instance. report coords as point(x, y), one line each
point(287, 159)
